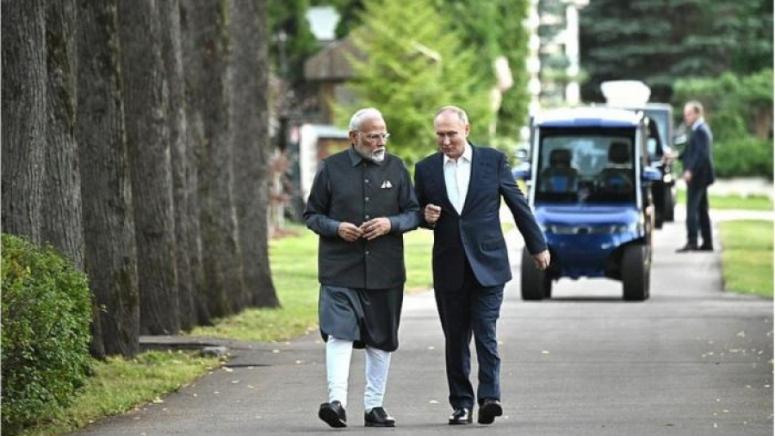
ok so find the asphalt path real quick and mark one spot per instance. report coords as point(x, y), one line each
point(692, 360)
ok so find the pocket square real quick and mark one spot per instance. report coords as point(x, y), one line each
point(386, 184)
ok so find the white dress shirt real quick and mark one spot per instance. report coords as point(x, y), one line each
point(457, 174)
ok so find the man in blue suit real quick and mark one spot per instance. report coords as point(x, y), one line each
point(459, 190)
point(698, 174)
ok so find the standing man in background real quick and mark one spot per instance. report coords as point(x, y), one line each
point(698, 174)
point(360, 204)
point(460, 190)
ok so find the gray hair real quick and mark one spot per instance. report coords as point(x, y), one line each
point(461, 114)
point(363, 114)
point(696, 106)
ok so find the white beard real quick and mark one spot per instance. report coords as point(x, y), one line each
point(378, 155)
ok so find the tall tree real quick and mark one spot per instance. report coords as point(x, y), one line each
point(172, 55)
point(61, 210)
point(251, 146)
point(24, 116)
point(147, 132)
point(195, 139)
point(661, 41)
point(414, 65)
point(207, 26)
point(292, 41)
point(108, 220)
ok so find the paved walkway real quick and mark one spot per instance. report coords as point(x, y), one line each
point(692, 360)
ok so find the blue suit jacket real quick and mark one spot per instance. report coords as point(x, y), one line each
point(475, 234)
point(698, 156)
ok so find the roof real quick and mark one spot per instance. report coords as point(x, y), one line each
point(332, 63)
point(587, 117)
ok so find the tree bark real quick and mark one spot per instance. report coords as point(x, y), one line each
point(61, 208)
point(146, 106)
point(195, 139)
point(169, 13)
point(108, 221)
point(250, 136)
point(207, 26)
point(23, 116)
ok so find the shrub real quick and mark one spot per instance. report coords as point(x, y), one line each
point(746, 157)
point(46, 311)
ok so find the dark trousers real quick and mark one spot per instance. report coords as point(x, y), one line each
point(697, 213)
point(471, 309)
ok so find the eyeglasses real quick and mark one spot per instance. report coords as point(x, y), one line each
point(374, 137)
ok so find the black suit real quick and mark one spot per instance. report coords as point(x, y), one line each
point(471, 265)
point(698, 159)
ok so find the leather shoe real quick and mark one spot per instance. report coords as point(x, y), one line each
point(377, 417)
point(687, 248)
point(333, 414)
point(489, 409)
point(460, 416)
point(705, 247)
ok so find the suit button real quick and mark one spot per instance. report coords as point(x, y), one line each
point(365, 180)
point(367, 217)
point(367, 252)
point(366, 199)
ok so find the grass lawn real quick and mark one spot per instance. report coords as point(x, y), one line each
point(747, 256)
point(293, 259)
point(118, 385)
point(756, 202)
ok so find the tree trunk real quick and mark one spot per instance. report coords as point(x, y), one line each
point(23, 116)
point(108, 222)
point(147, 132)
point(207, 26)
point(195, 140)
point(250, 136)
point(61, 208)
point(169, 13)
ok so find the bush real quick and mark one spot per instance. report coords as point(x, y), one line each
point(746, 157)
point(46, 311)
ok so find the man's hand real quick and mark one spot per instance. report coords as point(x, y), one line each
point(542, 260)
point(376, 227)
point(687, 176)
point(432, 213)
point(349, 232)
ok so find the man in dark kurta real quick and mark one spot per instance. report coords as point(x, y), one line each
point(361, 203)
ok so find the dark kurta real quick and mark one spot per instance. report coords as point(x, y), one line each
point(350, 189)
point(362, 281)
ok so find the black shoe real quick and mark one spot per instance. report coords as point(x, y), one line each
point(705, 247)
point(489, 410)
point(333, 414)
point(460, 416)
point(687, 248)
point(377, 417)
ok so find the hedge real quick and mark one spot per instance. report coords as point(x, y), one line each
point(46, 312)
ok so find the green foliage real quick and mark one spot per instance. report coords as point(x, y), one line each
point(288, 57)
point(739, 111)
point(661, 41)
point(414, 65)
point(46, 311)
point(493, 28)
point(746, 157)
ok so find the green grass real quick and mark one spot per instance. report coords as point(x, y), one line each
point(293, 259)
point(754, 202)
point(119, 385)
point(747, 256)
